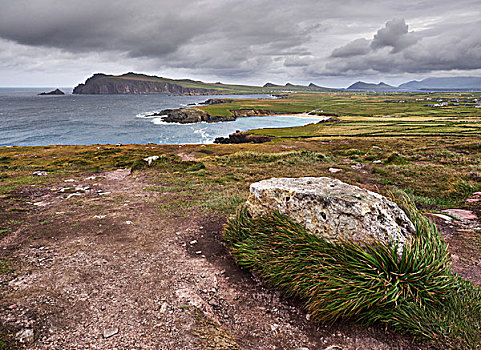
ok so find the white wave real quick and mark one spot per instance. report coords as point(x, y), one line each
point(205, 136)
point(159, 120)
point(148, 115)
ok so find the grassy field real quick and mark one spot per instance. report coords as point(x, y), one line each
point(431, 153)
point(357, 104)
point(439, 171)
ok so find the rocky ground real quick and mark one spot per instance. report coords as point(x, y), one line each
point(99, 266)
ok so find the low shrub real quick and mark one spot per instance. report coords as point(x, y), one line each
point(396, 159)
point(415, 293)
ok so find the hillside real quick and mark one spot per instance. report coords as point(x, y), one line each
point(360, 85)
point(133, 83)
point(293, 87)
point(469, 83)
point(135, 250)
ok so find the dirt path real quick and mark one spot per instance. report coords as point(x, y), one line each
point(104, 269)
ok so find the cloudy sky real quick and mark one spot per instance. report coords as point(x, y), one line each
point(329, 42)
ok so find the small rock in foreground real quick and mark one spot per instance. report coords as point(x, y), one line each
point(25, 336)
point(110, 332)
point(461, 214)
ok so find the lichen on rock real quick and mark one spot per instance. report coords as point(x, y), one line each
point(331, 209)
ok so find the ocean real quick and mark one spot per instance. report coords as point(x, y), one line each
point(30, 120)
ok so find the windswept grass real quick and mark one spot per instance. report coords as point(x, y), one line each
point(415, 293)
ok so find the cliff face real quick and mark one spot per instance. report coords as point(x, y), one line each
point(101, 84)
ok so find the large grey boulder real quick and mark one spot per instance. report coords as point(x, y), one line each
point(332, 209)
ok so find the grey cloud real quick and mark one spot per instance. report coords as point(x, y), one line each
point(354, 48)
point(394, 50)
point(248, 40)
point(395, 34)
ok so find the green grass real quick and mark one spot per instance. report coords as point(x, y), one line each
point(5, 267)
point(416, 293)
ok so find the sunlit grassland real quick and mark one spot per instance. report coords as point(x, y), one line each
point(357, 104)
point(438, 171)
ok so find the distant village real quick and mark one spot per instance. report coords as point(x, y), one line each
point(440, 102)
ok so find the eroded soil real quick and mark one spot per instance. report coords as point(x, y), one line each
point(108, 261)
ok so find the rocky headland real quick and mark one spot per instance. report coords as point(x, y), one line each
point(131, 83)
point(196, 115)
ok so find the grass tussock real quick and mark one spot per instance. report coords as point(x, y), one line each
point(415, 293)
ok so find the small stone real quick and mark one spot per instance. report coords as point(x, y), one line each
point(469, 200)
point(193, 242)
point(110, 332)
point(128, 222)
point(198, 252)
point(25, 336)
point(333, 347)
point(334, 170)
point(377, 161)
point(213, 302)
point(163, 308)
point(442, 216)
point(461, 214)
point(40, 173)
point(308, 317)
point(274, 327)
point(73, 194)
point(357, 166)
point(149, 160)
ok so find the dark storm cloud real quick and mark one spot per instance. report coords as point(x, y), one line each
point(247, 40)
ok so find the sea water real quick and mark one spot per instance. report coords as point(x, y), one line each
point(30, 120)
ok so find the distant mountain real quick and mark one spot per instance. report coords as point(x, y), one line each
point(134, 83)
point(455, 83)
point(360, 85)
point(293, 87)
point(270, 85)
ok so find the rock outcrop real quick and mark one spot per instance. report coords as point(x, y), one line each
point(240, 137)
point(332, 209)
point(54, 92)
point(216, 101)
point(239, 113)
point(190, 115)
point(196, 115)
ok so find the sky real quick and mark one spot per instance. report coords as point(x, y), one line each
point(60, 43)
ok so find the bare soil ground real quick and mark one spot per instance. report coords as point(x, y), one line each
point(105, 269)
